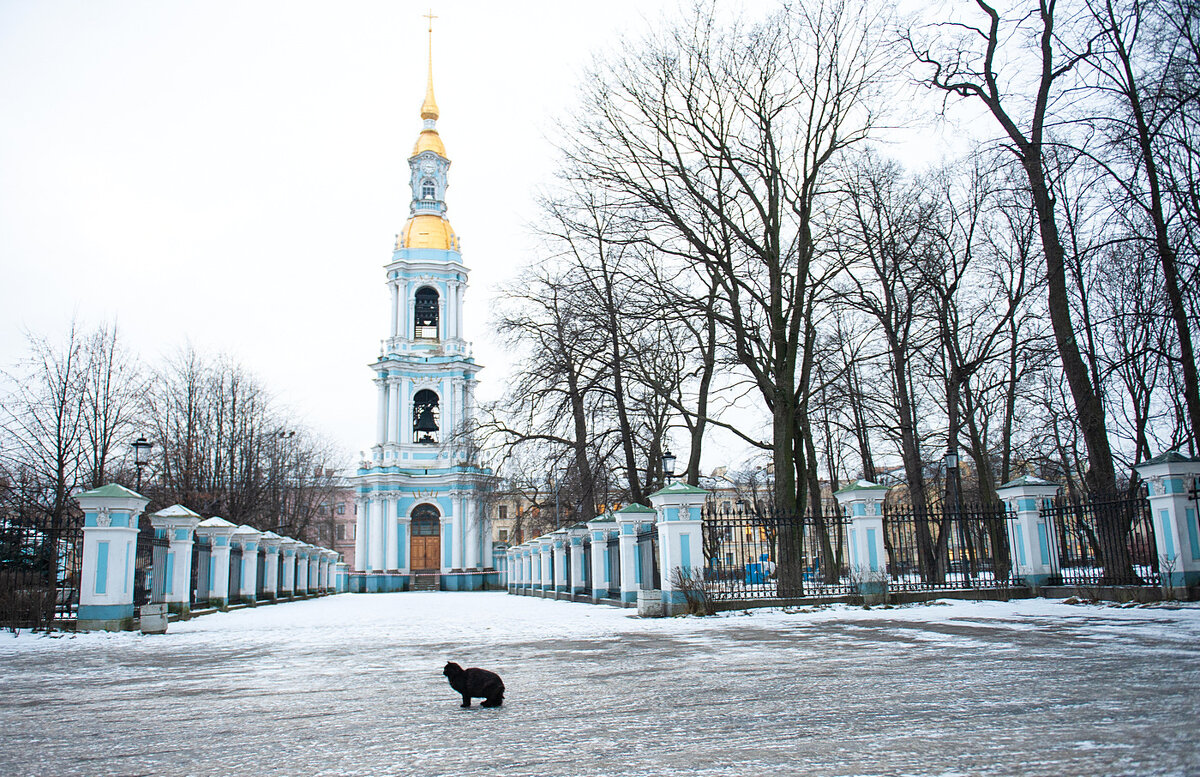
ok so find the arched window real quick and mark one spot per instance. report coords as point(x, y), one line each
point(425, 520)
point(426, 314)
point(428, 190)
point(426, 415)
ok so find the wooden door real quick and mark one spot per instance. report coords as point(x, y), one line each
point(426, 544)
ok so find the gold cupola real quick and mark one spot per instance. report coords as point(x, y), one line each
point(427, 225)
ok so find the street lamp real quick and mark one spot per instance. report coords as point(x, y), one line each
point(141, 457)
point(668, 465)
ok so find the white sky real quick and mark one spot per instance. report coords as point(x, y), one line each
point(233, 173)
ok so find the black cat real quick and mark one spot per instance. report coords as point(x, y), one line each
point(475, 683)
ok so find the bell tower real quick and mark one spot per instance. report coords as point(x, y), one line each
point(422, 464)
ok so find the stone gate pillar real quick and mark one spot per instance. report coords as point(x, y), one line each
point(270, 543)
point(248, 538)
point(110, 528)
point(287, 586)
point(577, 535)
point(1029, 532)
point(680, 539)
point(178, 525)
point(219, 532)
point(559, 540)
point(629, 518)
point(863, 500)
point(1171, 477)
point(598, 529)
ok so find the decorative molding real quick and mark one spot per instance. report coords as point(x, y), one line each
point(103, 518)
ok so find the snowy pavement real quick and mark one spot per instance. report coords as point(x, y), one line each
point(352, 685)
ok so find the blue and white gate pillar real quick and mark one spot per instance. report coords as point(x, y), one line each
point(598, 536)
point(628, 520)
point(301, 579)
point(1171, 476)
point(680, 539)
point(513, 569)
point(110, 528)
point(178, 525)
point(1029, 532)
point(545, 564)
point(342, 571)
point(287, 586)
point(576, 536)
point(218, 531)
point(270, 544)
point(863, 500)
point(248, 538)
point(559, 539)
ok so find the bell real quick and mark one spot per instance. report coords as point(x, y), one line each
point(425, 422)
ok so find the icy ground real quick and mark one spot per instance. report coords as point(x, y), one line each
point(352, 685)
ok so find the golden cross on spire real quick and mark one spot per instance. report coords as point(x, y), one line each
point(429, 109)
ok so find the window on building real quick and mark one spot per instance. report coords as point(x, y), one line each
point(341, 509)
point(503, 512)
point(425, 416)
point(341, 531)
point(504, 535)
point(428, 191)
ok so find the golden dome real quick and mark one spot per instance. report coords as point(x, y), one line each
point(430, 140)
point(427, 231)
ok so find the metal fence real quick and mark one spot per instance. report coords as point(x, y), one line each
point(614, 566)
point(1103, 540)
point(39, 573)
point(235, 573)
point(647, 553)
point(587, 566)
point(757, 552)
point(935, 547)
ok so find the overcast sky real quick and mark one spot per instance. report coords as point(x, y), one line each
point(232, 174)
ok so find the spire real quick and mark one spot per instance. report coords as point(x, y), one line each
point(429, 109)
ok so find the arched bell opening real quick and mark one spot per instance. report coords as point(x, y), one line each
point(425, 545)
point(425, 326)
point(426, 415)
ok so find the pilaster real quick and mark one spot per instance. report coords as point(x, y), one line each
point(1171, 478)
point(110, 529)
point(863, 500)
point(1029, 532)
point(178, 525)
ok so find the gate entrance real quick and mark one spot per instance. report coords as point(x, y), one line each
point(426, 544)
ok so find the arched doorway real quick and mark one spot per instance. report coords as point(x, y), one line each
point(426, 542)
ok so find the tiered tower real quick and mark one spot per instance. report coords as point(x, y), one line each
point(421, 519)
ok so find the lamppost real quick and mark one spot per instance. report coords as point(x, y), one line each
point(668, 465)
point(951, 462)
point(141, 457)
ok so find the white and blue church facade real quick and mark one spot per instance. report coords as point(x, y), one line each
point(422, 519)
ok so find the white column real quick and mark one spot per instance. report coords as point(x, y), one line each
point(394, 417)
point(270, 542)
point(460, 532)
point(383, 397)
point(443, 324)
point(360, 535)
point(376, 539)
point(473, 547)
point(391, 556)
point(406, 419)
point(218, 531)
point(248, 538)
point(627, 525)
point(559, 551)
point(458, 327)
point(287, 586)
point(410, 318)
point(395, 321)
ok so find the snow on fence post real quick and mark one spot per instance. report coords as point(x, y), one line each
point(680, 539)
point(110, 528)
point(868, 556)
point(270, 543)
point(559, 538)
point(598, 535)
point(343, 577)
point(628, 520)
point(1171, 478)
point(178, 525)
point(1029, 532)
point(218, 531)
point(577, 535)
point(545, 563)
point(302, 549)
point(247, 537)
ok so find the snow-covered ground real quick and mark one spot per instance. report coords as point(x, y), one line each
point(352, 685)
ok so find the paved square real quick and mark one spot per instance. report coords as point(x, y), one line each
point(352, 685)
